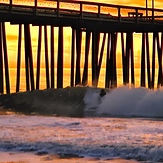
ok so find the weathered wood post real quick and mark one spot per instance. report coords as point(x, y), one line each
point(153, 59)
point(38, 58)
point(1, 61)
point(159, 52)
point(78, 55)
point(108, 73)
point(60, 59)
point(46, 57)
point(19, 58)
point(101, 56)
point(95, 50)
point(52, 57)
point(5, 58)
point(123, 59)
point(87, 47)
point(148, 61)
point(28, 59)
point(142, 84)
point(72, 56)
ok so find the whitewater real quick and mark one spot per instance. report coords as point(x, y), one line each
point(77, 125)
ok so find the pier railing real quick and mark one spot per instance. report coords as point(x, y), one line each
point(87, 10)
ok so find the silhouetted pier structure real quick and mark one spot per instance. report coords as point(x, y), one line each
point(104, 18)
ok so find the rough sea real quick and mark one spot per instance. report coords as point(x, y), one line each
point(77, 125)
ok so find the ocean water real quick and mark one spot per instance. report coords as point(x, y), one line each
point(73, 125)
point(77, 125)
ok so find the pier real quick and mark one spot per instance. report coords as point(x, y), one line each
point(91, 19)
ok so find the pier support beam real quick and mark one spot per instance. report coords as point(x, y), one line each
point(28, 59)
point(101, 57)
point(159, 51)
point(78, 55)
point(148, 61)
point(95, 50)
point(124, 68)
point(52, 58)
point(113, 60)
point(60, 59)
point(108, 73)
point(145, 61)
point(87, 47)
point(4, 57)
point(132, 60)
point(153, 59)
point(111, 72)
point(46, 57)
point(72, 56)
point(142, 84)
point(19, 58)
point(38, 58)
point(128, 58)
point(1, 61)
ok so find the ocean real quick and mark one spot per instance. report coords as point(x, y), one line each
point(75, 124)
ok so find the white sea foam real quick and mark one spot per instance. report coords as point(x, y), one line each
point(125, 101)
point(102, 138)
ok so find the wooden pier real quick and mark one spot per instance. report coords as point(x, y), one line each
point(105, 18)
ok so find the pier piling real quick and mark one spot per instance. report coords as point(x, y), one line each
point(1, 62)
point(19, 58)
point(46, 57)
point(38, 58)
point(60, 59)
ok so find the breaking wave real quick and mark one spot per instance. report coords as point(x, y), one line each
point(86, 101)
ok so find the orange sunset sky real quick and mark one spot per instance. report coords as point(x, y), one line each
point(12, 34)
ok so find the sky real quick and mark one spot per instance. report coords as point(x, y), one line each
point(140, 3)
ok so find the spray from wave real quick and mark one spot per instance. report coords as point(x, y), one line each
point(86, 101)
point(130, 102)
point(59, 102)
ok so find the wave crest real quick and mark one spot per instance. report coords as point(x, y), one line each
point(86, 101)
point(133, 102)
